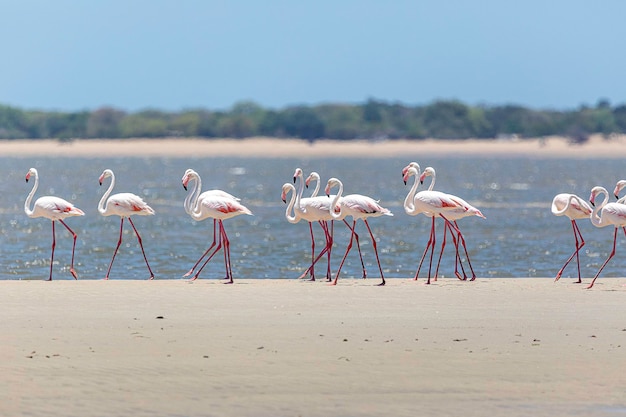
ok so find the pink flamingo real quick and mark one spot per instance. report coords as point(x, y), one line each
point(53, 208)
point(453, 216)
point(123, 205)
point(611, 214)
point(359, 207)
point(432, 203)
point(574, 208)
point(219, 206)
point(193, 196)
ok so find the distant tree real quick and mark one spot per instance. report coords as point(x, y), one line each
point(105, 123)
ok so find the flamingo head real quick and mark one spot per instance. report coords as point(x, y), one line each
point(313, 176)
point(286, 188)
point(333, 182)
point(30, 172)
point(411, 165)
point(189, 175)
point(428, 172)
point(409, 172)
point(297, 174)
point(105, 174)
point(618, 188)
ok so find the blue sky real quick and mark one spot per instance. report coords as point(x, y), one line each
point(177, 54)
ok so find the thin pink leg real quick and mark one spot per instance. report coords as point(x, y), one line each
point(579, 245)
point(326, 249)
point(72, 271)
point(428, 245)
point(607, 259)
point(347, 251)
point(141, 246)
point(312, 267)
point(119, 242)
point(219, 246)
point(229, 270)
point(193, 268)
point(382, 276)
point(358, 246)
point(54, 243)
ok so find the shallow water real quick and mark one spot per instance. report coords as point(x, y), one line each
point(519, 238)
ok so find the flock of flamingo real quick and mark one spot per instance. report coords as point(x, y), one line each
point(219, 206)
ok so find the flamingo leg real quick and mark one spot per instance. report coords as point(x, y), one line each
point(375, 252)
point(219, 246)
point(430, 242)
point(461, 239)
point(141, 246)
point(326, 249)
point(579, 245)
point(457, 258)
point(52, 253)
point(312, 267)
point(352, 235)
point(119, 242)
point(329, 243)
point(443, 245)
point(432, 250)
point(205, 253)
point(358, 246)
point(72, 271)
point(607, 259)
point(226, 244)
point(227, 264)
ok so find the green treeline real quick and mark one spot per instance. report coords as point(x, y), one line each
point(374, 119)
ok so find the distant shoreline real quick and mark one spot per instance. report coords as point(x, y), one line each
point(549, 147)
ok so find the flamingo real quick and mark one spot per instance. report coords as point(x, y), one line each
point(453, 216)
point(218, 205)
point(433, 203)
point(53, 208)
point(193, 196)
point(359, 207)
point(123, 205)
point(611, 214)
point(574, 208)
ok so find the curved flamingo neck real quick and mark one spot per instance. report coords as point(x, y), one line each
point(572, 197)
point(29, 198)
point(191, 201)
point(102, 208)
point(298, 206)
point(291, 218)
point(337, 214)
point(315, 176)
point(433, 178)
point(595, 219)
point(409, 204)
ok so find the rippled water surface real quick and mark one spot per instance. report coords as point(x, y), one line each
point(519, 238)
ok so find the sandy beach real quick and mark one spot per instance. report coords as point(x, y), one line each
point(510, 347)
point(549, 147)
point(283, 347)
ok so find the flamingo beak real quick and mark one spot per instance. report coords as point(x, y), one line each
point(294, 180)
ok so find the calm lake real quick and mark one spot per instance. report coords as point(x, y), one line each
point(520, 237)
